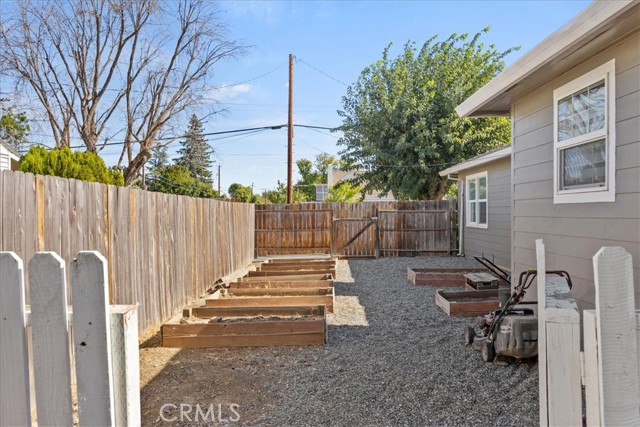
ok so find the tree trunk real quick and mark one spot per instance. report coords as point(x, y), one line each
point(138, 162)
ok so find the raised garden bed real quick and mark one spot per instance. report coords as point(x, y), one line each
point(266, 283)
point(467, 303)
point(300, 260)
point(271, 297)
point(289, 278)
point(440, 276)
point(483, 280)
point(297, 266)
point(241, 328)
point(291, 272)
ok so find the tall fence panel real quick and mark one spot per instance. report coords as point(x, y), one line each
point(365, 229)
point(164, 250)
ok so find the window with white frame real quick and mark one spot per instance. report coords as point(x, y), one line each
point(584, 138)
point(477, 200)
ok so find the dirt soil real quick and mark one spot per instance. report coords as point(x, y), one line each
point(392, 359)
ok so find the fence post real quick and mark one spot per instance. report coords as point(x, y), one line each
point(50, 339)
point(560, 327)
point(617, 341)
point(92, 339)
point(542, 340)
point(15, 401)
point(126, 364)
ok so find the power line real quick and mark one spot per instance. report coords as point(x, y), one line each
point(322, 72)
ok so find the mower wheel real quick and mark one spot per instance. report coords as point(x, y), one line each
point(469, 334)
point(488, 351)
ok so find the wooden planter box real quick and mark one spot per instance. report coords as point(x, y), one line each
point(291, 273)
point(297, 267)
point(272, 298)
point(467, 303)
point(282, 284)
point(440, 277)
point(291, 326)
point(300, 260)
point(290, 278)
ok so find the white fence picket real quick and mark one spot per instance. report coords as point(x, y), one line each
point(126, 366)
point(591, 375)
point(616, 333)
point(15, 402)
point(92, 339)
point(50, 339)
point(542, 338)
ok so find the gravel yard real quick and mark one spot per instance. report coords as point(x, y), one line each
point(392, 359)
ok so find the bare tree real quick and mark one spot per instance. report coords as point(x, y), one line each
point(97, 66)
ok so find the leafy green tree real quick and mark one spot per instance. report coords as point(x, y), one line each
point(195, 153)
point(65, 163)
point(14, 128)
point(399, 121)
point(241, 193)
point(313, 173)
point(177, 179)
point(279, 195)
point(345, 191)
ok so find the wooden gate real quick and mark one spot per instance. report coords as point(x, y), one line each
point(355, 237)
point(357, 230)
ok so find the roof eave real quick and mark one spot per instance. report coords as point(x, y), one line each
point(597, 15)
point(479, 161)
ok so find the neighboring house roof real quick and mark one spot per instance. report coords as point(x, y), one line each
point(598, 26)
point(490, 156)
point(12, 152)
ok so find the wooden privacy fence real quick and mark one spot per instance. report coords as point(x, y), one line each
point(164, 250)
point(101, 365)
point(609, 365)
point(366, 229)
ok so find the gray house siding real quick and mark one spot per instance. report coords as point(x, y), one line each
point(494, 241)
point(573, 233)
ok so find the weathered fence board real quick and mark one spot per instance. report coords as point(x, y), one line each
point(15, 405)
point(163, 250)
point(50, 333)
point(366, 229)
point(559, 327)
point(616, 334)
point(92, 339)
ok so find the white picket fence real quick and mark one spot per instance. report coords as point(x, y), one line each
point(609, 365)
point(105, 373)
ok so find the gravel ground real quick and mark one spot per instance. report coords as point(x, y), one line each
point(392, 359)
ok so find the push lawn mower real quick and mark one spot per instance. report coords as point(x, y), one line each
point(509, 331)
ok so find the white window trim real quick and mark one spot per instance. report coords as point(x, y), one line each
point(588, 195)
point(469, 178)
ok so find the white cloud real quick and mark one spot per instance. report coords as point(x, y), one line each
point(227, 93)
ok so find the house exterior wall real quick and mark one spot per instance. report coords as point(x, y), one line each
point(495, 240)
point(8, 160)
point(573, 233)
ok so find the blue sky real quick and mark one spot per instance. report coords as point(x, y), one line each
point(339, 38)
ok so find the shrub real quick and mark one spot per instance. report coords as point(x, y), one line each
point(65, 163)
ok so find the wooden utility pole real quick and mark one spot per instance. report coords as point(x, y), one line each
point(290, 135)
point(220, 194)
